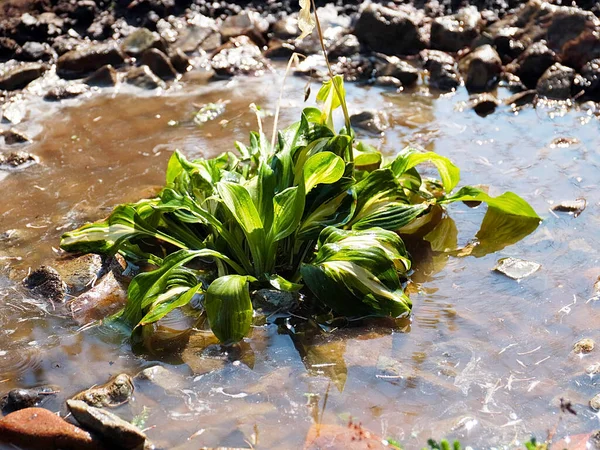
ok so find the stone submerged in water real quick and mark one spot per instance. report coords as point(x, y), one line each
point(17, 399)
point(12, 137)
point(105, 76)
point(443, 73)
point(114, 393)
point(107, 297)
point(484, 104)
point(516, 268)
point(372, 121)
point(481, 68)
point(40, 429)
point(66, 91)
point(47, 283)
point(106, 425)
point(585, 345)
point(17, 160)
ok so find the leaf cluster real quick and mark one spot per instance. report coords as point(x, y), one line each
point(317, 211)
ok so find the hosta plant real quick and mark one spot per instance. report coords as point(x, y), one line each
point(317, 212)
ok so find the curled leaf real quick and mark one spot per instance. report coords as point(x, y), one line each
point(306, 23)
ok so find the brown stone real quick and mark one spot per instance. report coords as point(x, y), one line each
point(40, 429)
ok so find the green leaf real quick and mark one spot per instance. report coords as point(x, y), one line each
point(331, 95)
point(282, 284)
point(409, 158)
point(229, 308)
point(356, 272)
point(166, 283)
point(168, 304)
point(286, 214)
point(507, 203)
point(238, 201)
point(322, 168)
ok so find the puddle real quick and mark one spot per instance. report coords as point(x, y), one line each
point(486, 359)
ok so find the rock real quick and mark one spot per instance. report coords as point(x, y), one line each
point(17, 76)
point(515, 268)
point(203, 32)
point(443, 74)
point(161, 377)
point(108, 426)
point(105, 298)
point(386, 81)
point(481, 67)
point(512, 82)
point(142, 40)
point(399, 69)
point(239, 56)
point(35, 51)
point(105, 76)
point(159, 64)
point(39, 28)
point(595, 402)
point(533, 62)
point(79, 62)
point(102, 27)
point(248, 23)
point(346, 46)
point(17, 160)
point(575, 207)
point(66, 91)
point(84, 13)
point(46, 283)
point(452, 33)
point(484, 104)
point(371, 121)
point(114, 393)
point(40, 429)
point(17, 399)
point(507, 46)
point(12, 137)
point(65, 43)
point(179, 61)
point(388, 31)
point(556, 82)
point(591, 76)
point(144, 78)
point(14, 111)
point(585, 345)
point(335, 437)
point(8, 48)
point(271, 300)
point(521, 98)
point(279, 50)
point(79, 272)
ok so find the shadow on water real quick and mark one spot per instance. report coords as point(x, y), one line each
point(486, 358)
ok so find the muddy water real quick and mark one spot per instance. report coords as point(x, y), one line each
point(486, 359)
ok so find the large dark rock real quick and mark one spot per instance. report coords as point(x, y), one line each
point(40, 429)
point(452, 33)
point(159, 64)
point(79, 62)
point(372, 121)
point(591, 77)
point(144, 78)
point(239, 56)
point(557, 82)
point(179, 61)
point(508, 47)
point(38, 28)
point(533, 62)
point(443, 73)
point(248, 23)
point(484, 104)
point(389, 31)
point(108, 426)
point(105, 76)
point(203, 32)
point(481, 68)
point(46, 283)
point(12, 137)
point(16, 76)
